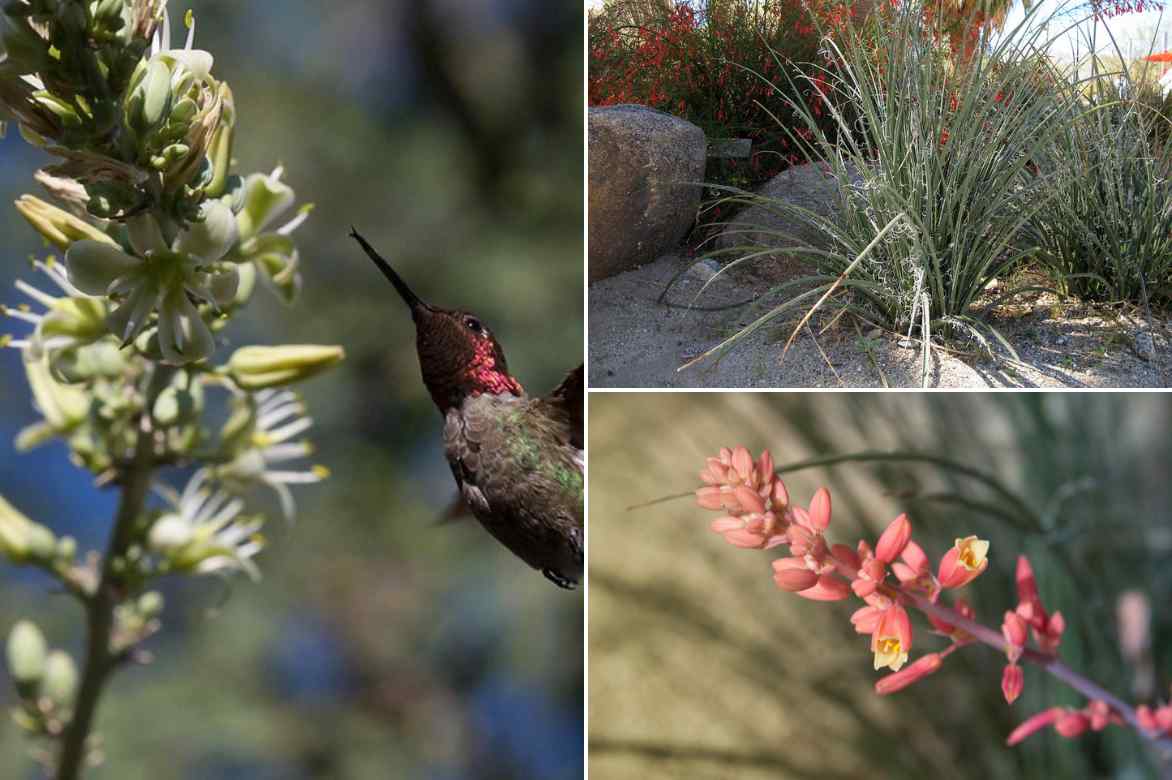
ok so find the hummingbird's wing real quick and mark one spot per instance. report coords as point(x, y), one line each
point(522, 478)
point(568, 397)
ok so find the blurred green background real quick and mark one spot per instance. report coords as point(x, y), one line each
point(378, 645)
point(701, 668)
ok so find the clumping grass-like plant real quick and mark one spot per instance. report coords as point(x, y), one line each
point(1105, 234)
point(163, 244)
point(933, 161)
point(895, 576)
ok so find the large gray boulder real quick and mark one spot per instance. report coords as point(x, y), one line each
point(645, 167)
point(811, 186)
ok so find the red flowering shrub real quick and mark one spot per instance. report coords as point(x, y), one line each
point(725, 66)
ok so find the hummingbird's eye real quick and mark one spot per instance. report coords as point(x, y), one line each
point(473, 325)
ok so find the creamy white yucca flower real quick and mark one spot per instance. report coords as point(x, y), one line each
point(72, 320)
point(163, 277)
point(205, 532)
point(279, 420)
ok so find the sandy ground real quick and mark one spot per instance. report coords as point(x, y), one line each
point(635, 342)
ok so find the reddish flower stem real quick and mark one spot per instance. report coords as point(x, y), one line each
point(1051, 664)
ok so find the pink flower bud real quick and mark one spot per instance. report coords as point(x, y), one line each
point(919, 669)
point(1147, 721)
point(1163, 716)
point(829, 588)
point(1100, 714)
point(1015, 631)
point(846, 557)
point(1033, 724)
point(1012, 681)
point(765, 467)
point(727, 523)
point(1027, 586)
point(1072, 724)
point(915, 557)
point(819, 511)
point(713, 498)
point(863, 588)
point(779, 495)
point(893, 541)
point(748, 499)
point(792, 574)
point(742, 461)
point(866, 619)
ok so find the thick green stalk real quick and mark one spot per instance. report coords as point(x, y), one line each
point(99, 662)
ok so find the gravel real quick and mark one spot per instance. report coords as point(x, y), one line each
point(636, 342)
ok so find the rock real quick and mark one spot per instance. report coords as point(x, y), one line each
point(704, 270)
point(645, 169)
point(811, 186)
point(1145, 346)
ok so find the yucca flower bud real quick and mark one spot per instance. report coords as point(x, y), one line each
point(256, 368)
point(21, 539)
point(59, 227)
point(59, 683)
point(26, 651)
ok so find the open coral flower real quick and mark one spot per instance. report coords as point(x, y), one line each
point(892, 638)
point(964, 562)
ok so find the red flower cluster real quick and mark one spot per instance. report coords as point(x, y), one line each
point(729, 68)
point(895, 574)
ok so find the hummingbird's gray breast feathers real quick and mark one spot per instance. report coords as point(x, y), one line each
point(522, 476)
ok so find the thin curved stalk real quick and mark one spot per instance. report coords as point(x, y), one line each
point(875, 455)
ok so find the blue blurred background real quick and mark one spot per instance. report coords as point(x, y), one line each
point(378, 645)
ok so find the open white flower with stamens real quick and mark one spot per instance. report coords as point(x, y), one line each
point(205, 533)
point(198, 61)
point(163, 278)
point(73, 320)
point(279, 419)
point(272, 251)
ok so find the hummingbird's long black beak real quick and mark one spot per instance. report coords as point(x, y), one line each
point(412, 300)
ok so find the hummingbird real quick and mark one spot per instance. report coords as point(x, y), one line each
point(517, 460)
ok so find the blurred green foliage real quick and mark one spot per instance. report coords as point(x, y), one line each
point(378, 645)
point(699, 664)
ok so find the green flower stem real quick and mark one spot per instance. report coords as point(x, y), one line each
point(99, 661)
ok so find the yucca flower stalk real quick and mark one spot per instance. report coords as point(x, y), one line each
point(162, 245)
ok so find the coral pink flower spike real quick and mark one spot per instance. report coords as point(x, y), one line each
point(756, 513)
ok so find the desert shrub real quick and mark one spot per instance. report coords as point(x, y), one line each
point(721, 64)
point(1106, 234)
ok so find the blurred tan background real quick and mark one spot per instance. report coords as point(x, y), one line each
point(701, 668)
